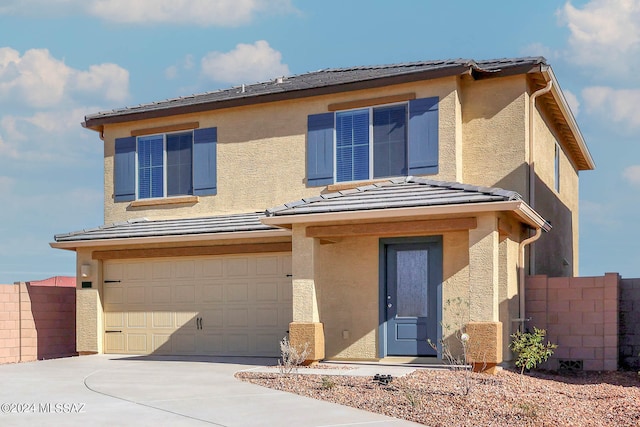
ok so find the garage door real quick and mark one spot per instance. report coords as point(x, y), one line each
point(229, 306)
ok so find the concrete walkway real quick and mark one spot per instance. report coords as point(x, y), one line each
point(112, 390)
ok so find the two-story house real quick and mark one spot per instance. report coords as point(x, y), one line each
point(349, 207)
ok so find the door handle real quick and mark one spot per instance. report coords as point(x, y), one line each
point(389, 305)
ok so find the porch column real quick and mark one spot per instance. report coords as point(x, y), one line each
point(484, 328)
point(306, 329)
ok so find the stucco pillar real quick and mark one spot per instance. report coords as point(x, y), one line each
point(306, 329)
point(483, 270)
point(89, 311)
point(484, 328)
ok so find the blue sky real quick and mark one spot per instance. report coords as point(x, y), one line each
point(62, 59)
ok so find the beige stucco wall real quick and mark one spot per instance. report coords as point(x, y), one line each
point(494, 117)
point(274, 133)
point(556, 253)
point(89, 313)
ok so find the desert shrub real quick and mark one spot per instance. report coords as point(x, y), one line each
point(291, 357)
point(530, 348)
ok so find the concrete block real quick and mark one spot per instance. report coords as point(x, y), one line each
point(582, 353)
point(593, 341)
point(558, 283)
point(569, 341)
point(593, 365)
point(485, 342)
point(595, 318)
point(311, 335)
point(610, 365)
point(581, 305)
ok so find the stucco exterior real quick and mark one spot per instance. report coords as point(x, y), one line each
point(486, 125)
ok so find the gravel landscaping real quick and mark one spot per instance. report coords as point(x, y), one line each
point(440, 398)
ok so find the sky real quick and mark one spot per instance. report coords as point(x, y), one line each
point(62, 59)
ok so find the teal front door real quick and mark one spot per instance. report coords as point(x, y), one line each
point(410, 296)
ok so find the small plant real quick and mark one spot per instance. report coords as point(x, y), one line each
point(291, 357)
point(527, 409)
point(456, 357)
point(413, 398)
point(328, 383)
point(530, 348)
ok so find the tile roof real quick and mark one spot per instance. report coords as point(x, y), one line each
point(395, 193)
point(170, 227)
point(324, 78)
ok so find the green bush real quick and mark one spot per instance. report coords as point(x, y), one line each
point(530, 348)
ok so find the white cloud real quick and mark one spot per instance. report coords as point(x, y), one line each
point(632, 175)
point(573, 102)
point(247, 63)
point(173, 71)
point(224, 13)
point(618, 105)
point(538, 49)
point(604, 33)
point(37, 79)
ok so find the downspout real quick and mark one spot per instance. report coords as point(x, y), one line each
point(521, 278)
point(532, 162)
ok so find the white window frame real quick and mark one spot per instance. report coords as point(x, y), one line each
point(371, 160)
point(164, 165)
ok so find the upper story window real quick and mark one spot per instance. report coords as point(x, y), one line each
point(375, 142)
point(165, 165)
point(371, 143)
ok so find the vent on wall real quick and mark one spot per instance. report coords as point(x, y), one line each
point(570, 365)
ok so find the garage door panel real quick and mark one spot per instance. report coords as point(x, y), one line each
point(114, 319)
point(186, 319)
point(162, 319)
point(267, 266)
point(236, 317)
point(114, 343)
point(136, 319)
point(212, 293)
point(236, 292)
point(185, 269)
point(212, 319)
point(135, 295)
point(135, 271)
point(225, 305)
point(161, 343)
point(212, 268)
point(161, 294)
point(137, 343)
point(267, 291)
point(267, 317)
point(114, 295)
point(237, 267)
point(185, 294)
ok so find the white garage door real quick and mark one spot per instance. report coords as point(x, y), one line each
point(225, 305)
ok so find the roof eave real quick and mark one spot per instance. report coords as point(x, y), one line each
point(562, 103)
point(520, 208)
point(183, 238)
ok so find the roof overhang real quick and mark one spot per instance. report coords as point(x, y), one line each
point(185, 239)
point(519, 208)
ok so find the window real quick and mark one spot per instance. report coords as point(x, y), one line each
point(375, 142)
point(377, 134)
point(165, 165)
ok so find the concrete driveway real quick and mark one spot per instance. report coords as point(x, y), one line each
point(112, 390)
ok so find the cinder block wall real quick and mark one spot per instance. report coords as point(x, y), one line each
point(37, 321)
point(630, 324)
point(580, 314)
point(9, 324)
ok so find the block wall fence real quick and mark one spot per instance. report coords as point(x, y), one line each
point(37, 320)
point(581, 316)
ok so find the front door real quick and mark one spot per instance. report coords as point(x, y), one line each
point(413, 278)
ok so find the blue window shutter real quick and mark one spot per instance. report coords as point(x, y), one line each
point(423, 136)
point(204, 161)
point(320, 149)
point(124, 170)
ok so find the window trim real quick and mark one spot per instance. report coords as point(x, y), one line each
point(164, 167)
point(556, 167)
point(371, 147)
